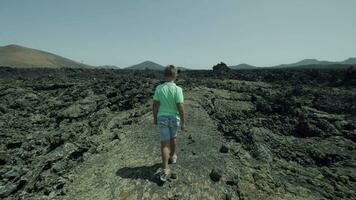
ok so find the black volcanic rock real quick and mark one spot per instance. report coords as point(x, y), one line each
point(173, 176)
point(289, 131)
point(80, 108)
point(306, 129)
point(232, 180)
point(228, 196)
point(221, 68)
point(224, 148)
point(215, 174)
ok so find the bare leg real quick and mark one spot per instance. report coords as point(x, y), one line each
point(173, 143)
point(165, 153)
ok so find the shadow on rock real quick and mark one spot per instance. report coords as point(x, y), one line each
point(142, 172)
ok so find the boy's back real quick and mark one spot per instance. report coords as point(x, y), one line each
point(168, 94)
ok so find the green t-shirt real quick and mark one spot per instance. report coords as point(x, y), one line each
point(168, 94)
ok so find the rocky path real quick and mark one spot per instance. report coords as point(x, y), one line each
point(126, 170)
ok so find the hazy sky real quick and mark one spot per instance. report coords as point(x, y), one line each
point(190, 33)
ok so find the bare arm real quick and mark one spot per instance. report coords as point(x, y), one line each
point(180, 108)
point(155, 106)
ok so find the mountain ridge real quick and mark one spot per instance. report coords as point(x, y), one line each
point(309, 62)
point(146, 65)
point(18, 56)
point(243, 66)
point(151, 66)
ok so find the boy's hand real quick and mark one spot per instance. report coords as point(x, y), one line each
point(182, 126)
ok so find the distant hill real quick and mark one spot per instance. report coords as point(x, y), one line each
point(19, 56)
point(306, 63)
point(183, 68)
point(151, 65)
point(314, 63)
point(146, 65)
point(243, 66)
point(349, 61)
point(108, 67)
point(314, 66)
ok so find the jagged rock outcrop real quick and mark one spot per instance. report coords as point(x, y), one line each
point(221, 68)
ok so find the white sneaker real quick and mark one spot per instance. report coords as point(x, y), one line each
point(173, 159)
point(163, 174)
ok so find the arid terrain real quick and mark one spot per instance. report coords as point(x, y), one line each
point(23, 57)
point(251, 134)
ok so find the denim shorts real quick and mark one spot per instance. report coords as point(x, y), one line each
point(168, 126)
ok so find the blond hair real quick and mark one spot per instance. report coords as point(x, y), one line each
point(170, 72)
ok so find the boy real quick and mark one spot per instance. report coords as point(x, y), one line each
point(168, 114)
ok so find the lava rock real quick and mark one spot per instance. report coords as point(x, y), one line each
point(74, 152)
point(173, 176)
point(54, 141)
point(27, 146)
point(3, 161)
point(263, 106)
point(221, 68)
point(224, 148)
point(80, 108)
point(3, 108)
point(14, 145)
point(254, 97)
point(14, 174)
point(232, 180)
point(305, 129)
point(93, 150)
point(12, 188)
point(216, 174)
point(191, 140)
point(7, 190)
point(228, 196)
point(112, 136)
point(350, 135)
